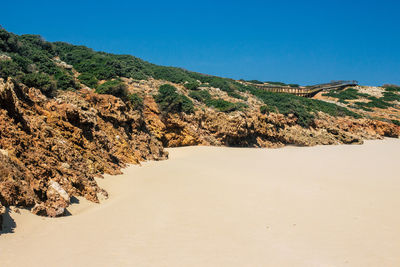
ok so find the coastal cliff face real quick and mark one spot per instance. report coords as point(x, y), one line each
point(273, 130)
point(54, 147)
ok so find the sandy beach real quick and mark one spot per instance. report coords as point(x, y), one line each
point(217, 206)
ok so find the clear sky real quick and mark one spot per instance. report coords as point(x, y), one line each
point(302, 42)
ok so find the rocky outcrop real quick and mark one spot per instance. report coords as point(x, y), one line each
point(54, 147)
point(253, 129)
point(51, 149)
point(362, 128)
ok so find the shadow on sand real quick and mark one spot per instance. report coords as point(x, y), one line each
point(73, 200)
point(8, 223)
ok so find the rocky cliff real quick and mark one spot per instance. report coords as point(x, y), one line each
point(53, 147)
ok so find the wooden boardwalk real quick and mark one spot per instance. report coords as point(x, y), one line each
point(308, 91)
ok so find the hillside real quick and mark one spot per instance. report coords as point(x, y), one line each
point(69, 114)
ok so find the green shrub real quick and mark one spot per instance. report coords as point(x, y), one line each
point(171, 102)
point(172, 74)
point(219, 104)
point(240, 106)
point(361, 105)
point(201, 96)
point(396, 122)
point(391, 88)
point(374, 103)
point(65, 81)
point(390, 96)
point(254, 81)
point(303, 108)
point(382, 102)
point(88, 79)
point(103, 66)
point(277, 83)
point(224, 106)
point(236, 95)
point(114, 87)
point(41, 81)
point(266, 109)
point(136, 100)
point(192, 85)
point(347, 94)
point(9, 68)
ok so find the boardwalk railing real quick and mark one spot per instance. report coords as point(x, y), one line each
point(308, 91)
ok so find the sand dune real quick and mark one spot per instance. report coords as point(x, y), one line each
point(209, 206)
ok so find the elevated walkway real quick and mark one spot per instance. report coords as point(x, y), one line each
point(308, 91)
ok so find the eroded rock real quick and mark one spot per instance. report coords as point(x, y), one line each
point(52, 148)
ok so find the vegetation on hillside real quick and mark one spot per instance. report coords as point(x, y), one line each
point(217, 103)
point(88, 79)
point(284, 84)
point(374, 102)
point(33, 62)
point(347, 94)
point(113, 87)
point(303, 108)
point(33, 57)
point(387, 100)
point(136, 101)
point(170, 101)
point(391, 88)
point(192, 85)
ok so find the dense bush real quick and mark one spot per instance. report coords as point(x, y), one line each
point(41, 81)
point(391, 88)
point(284, 84)
point(383, 102)
point(303, 108)
point(171, 74)
point(225, 106)
point(222, 105)
point(33, 57)
point(171, 102)
point(219, 104)
point(374, 103)
point(9, 68)
point(88, 79)
point(277, 83)
point(201, 96)
point(65, 81)
point(103, 66)
point(136, 100)
point(347, 94)
point(254, 81)
point(266, 109)
point(192, 85)
point(113, 87)
point(390, 96)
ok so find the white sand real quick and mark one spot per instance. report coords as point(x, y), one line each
point(208, 206)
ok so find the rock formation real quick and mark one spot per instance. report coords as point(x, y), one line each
point(53, 147)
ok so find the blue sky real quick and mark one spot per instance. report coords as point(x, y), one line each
point(302, 42)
